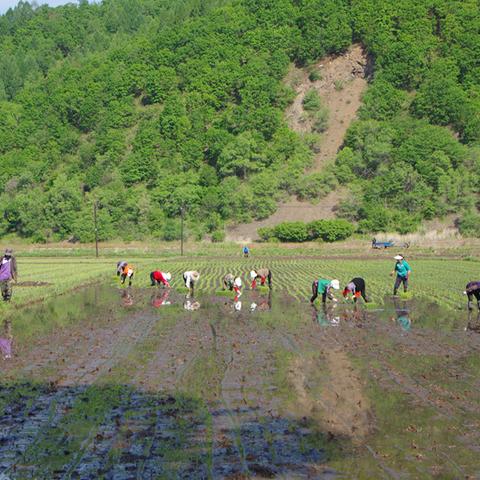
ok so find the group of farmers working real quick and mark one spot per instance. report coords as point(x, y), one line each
point(126, 271)
point(323, 287)
point(357, 288)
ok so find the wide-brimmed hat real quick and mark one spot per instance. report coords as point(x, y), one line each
point(335, 284)
point(168, 276)
point(195, 276)
point(238, 282)
point(253, 274)
point(8, 251)
point(398, 257)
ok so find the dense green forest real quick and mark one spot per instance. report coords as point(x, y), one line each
point(150, 106)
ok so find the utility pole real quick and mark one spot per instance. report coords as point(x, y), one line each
point(95, 205)
point(182, 212)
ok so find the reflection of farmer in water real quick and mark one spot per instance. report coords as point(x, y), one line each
point(325, 289)
point(262, 303)
point(472, 290)
point(127, 299)
point(6, 340)
point(160, 298)
point(356, 287)
point(402, 312)
point(262, 274)
point(191, 304)
point(473, 322)
point(325, 316)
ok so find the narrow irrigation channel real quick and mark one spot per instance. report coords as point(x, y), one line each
point(147, 383)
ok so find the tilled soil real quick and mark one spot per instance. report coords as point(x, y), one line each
point(128, 390)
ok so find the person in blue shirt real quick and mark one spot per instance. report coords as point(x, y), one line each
point(246, 251)
point(402, 270)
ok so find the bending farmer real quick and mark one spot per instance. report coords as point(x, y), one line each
point(120, 265)
point(8, 274)
point(324, 288)
point(127, 272)
point(157, 278)
point(402, 270)
point(473, 290)
point(190, 278)
point(357, 288)
point(232, 283)
point(263, 274)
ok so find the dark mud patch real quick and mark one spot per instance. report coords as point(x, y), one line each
point(117, 432)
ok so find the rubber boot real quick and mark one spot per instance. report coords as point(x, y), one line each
point(469, 305)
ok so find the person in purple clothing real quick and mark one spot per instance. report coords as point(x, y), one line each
point(6, 341)
point(473, 290)
point(8, 274)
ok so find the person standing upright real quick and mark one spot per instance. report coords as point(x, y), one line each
point(402, 270)
point(8, 274)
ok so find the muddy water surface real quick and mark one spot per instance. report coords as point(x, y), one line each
point(147, 384)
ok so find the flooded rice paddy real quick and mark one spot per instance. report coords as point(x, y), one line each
point(110, 383)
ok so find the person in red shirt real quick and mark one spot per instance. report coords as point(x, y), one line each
point(158, 278)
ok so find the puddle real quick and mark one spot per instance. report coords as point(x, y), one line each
point(151, 383)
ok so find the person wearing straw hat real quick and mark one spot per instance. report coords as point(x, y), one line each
point(190, 278)
point(402, 270)
point(262, 274)
point(232, 283)
point(8, 273)
point(356, 287)
point(157, 277)
point(324, 288)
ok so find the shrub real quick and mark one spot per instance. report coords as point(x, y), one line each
point(316, 185)
point(327, 230)
point(312, 101)
point(320, 120)
point(469, 225)
point(315, 75)
point(265, 233)
point(330, 230)
point(218, 236)
point(291, 232)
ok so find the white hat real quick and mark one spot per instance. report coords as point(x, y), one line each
point(168, 276)
point(335, 284)
point(195, 276)
point(238, 282)
point(253, 274)
point(398, 257)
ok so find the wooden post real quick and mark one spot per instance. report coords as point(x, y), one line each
point(95, 205)
point(182, 210)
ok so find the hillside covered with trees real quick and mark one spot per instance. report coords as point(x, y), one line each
point(151, 106)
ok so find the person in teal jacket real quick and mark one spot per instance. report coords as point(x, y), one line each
point(324, 288)
point(402, 270)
